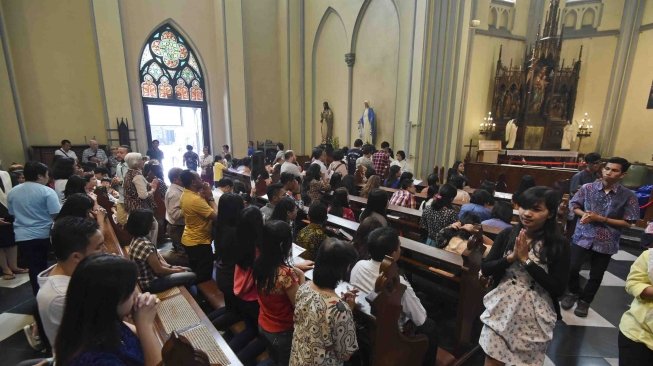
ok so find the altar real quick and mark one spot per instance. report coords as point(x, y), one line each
point(548, 158)
point(511, 174)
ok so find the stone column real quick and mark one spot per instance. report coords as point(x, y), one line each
point(444, 72)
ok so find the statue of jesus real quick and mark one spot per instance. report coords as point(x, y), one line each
point(326, 124)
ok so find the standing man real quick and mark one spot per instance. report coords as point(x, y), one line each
point(605, 208)
point(94, 154)
point(275, 193)
point(191, 160)
point(587, 175)
point(318, 156)
point(199, 210)
point(65, 151)
point(116, 183)
point(155, 153)
point(33, 205)
point(353, 154)
point(381, 160)
point(290, 164)
point(175, 218)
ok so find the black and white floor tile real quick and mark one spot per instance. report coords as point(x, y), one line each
point(577, 341)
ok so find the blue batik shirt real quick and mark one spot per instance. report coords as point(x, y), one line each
point(618, 203)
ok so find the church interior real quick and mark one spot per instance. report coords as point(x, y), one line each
point(507, 88)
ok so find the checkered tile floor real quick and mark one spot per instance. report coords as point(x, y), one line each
point(576, 341)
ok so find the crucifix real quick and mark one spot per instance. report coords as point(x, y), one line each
point(468, 157)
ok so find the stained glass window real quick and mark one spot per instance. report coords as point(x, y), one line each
point(168, 57)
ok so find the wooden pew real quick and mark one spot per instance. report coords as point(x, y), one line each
point(124, 238)
point(214, 346)
point(179, 312)
point(388, 345)
point(460, 274)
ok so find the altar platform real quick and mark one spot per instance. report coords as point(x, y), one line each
point(511, 173)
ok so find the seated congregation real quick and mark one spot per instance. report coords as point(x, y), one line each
point(289, 263)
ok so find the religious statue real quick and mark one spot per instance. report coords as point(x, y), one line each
point(367, 124)
point(511, 134)
point(326, 123)
point(539, 86)
point(568, 135)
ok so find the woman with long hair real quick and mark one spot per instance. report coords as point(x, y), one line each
point(360, 238)
point(393, 177)
point(313, 186)
point(101, 294)
point(277, 282)
point(348, 182)
point(61, 171)
point(260, 177)
point(335, 181)
point(75, 184)
point(340, 205)
point(374, 182)
point(457, 170)
point(77, 204)
point(226, 246)
point(529, 267)
point(439, 213)
point(324, 322)
point(377, 206)
point(154, 273)
point(286, 210)
point(249, 232)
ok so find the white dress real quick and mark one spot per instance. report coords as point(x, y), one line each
point(519, 318)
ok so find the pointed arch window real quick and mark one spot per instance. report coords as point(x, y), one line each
point(169, 69)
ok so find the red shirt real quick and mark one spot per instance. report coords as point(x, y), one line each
point(276, 310)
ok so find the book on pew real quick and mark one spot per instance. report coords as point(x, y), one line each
point(346, 234)
point(392, 217)
point(297, 250)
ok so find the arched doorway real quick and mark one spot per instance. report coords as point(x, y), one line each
point(174, 95)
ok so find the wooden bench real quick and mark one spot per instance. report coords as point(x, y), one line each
point(388, 345)
point(114, 246)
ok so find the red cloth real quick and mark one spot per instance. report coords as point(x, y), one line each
point(276, 310)
point(245, 284)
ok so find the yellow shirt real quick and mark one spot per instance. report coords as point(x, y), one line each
point(217, 171)
point(637, 322)
point(197, 217)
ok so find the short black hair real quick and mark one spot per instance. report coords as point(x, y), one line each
point(139, 222)
point(503, 211)
point(358, 143)
point(402, 153)
point(368, 149)
point(280, 146)
point(64, 141)
point(332, 263)
point(186, 177)
point(625, 165)
point(225, 182)
point(101, 170)
point(217, 158)
point(71, 234)
point(317, 152)
point(385, 144)
point(286, 177)
point(77, 204)
point(456, 181)
point(592, 158)
point(227, 146)
point(189, 147)
point(155, 140)
point(405, 183)
point(338, 155)
point(273, 189)
point(33, 169)
point(288, 154)
point(317, 213)
point(481, 197)
point(381, 242)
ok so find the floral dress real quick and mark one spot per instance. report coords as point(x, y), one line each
point(519, 317)
point(325, 332)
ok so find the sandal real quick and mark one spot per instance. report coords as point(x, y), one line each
point(20, 270)
point(8, 276)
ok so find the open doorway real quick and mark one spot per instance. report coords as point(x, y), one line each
point(175, 127)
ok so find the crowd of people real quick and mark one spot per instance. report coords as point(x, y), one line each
point(218, 232)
